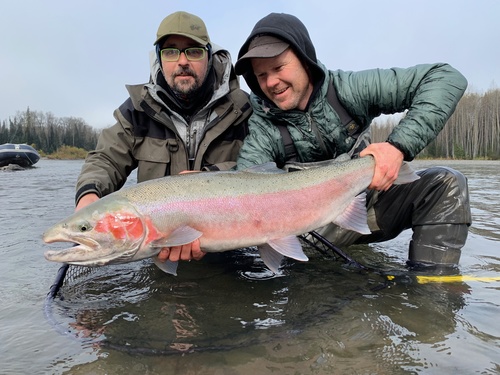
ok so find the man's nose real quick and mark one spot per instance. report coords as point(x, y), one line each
point(272, 80)
point(182, 58)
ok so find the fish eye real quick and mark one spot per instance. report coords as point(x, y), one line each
point(84, 227)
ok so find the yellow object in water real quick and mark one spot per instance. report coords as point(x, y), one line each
point(451, 279)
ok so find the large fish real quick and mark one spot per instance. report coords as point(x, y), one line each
point(263, 206)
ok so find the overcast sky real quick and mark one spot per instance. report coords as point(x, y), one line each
point(74, 57)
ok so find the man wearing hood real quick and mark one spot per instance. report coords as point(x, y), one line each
point(292, 90)
point(192, 115)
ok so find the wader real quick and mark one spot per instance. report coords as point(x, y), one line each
point(436, 207)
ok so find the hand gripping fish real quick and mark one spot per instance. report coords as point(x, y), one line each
point(262, 206)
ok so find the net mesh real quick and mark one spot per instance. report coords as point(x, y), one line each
point(133, 307)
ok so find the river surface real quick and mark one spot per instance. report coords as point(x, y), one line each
point(228, 315)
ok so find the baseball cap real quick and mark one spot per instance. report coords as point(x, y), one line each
point(185, 24)
point(261, 46)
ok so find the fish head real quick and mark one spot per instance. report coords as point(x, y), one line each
point(105, 232)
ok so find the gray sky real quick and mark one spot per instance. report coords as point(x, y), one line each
point(74, 57)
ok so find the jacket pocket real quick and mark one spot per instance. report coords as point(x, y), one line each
point(153, 157)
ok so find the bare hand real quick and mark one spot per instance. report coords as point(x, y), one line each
point(388, 161)
point(86, 200)
point(185, 252)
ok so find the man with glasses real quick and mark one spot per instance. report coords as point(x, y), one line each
point(293, 102)
point(191, 115)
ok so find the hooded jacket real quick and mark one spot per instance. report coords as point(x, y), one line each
point(428, 93)
point(151, 135)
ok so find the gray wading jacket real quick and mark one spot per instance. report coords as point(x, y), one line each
point(146, 134)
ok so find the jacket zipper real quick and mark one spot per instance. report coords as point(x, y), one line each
point(313, 127)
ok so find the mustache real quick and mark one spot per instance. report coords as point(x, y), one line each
point(184, 71)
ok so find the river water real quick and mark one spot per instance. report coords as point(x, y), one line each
point(228, 315)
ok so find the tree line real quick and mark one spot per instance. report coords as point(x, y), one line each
point(472, 132)
point(47, 133)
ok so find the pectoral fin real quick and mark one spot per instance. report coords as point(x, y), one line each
point(167, 266)
point(178, 237)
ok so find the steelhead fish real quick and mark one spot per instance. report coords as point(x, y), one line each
point(262, 206)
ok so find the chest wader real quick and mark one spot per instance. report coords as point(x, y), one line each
point(441, 222)
point(436, 207)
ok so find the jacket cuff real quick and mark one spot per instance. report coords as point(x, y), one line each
point(86, 189)
point(406, 156)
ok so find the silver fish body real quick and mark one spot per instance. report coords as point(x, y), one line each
point(227, 210)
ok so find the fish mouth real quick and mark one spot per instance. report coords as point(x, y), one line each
point(85, 251)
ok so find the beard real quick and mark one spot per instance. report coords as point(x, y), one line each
point(185, 88)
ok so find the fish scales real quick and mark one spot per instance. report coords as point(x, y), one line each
point(263, 207)
point(251, 203)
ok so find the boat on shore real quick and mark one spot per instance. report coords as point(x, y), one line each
point(22, 155)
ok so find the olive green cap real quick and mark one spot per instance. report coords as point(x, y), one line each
point(185, 24)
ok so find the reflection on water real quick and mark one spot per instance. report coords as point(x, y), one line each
point(156, 315)
point(227, 314)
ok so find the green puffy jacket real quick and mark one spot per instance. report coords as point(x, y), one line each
point(429, 93)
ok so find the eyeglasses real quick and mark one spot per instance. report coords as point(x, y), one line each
point(192, 53)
